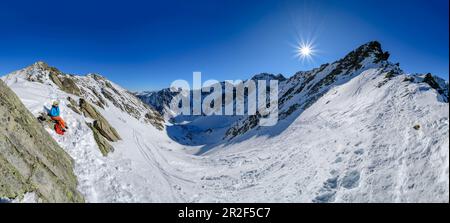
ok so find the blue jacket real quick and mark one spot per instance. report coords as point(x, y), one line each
point(54, 111)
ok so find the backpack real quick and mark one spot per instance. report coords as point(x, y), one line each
point(58, 129)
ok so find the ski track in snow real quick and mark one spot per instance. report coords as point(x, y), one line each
point(355, 144)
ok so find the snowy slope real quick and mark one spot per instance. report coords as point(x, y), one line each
point(354, 142)
point(126, 175)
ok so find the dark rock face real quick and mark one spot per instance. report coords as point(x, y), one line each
point(440, 85)
point(432, 82)
point(30, 160)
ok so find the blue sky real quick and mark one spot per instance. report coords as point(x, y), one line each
point(145, 45)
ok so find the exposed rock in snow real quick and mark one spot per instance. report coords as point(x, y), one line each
point(103, 144)
point(30, 160)
point(100, 123)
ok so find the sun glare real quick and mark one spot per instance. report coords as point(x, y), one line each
point(305, 51)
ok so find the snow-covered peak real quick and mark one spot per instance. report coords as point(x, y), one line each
point(159, 100)
point(371, 49)
point(39, 72)
point(267, 76)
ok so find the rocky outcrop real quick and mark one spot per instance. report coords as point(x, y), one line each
point(100, 122)
point(102, 143)
point(30, 160)
point(101, 129)
point(63, 81)
point(429, 79)
point(155, 119)
point(106, 130)
point(73, 105)
point(88, 110)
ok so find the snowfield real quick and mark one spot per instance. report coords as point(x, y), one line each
point(356, 143)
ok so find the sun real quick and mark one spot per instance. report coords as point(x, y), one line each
point(305, 51)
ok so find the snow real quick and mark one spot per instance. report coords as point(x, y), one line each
point(360, 136)
point(355, 144)
point(27, 198)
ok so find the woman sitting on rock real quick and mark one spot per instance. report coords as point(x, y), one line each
point(54, 115)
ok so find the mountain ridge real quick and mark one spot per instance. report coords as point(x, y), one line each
point(314, 83)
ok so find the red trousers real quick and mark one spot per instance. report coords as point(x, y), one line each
point(60, 121)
